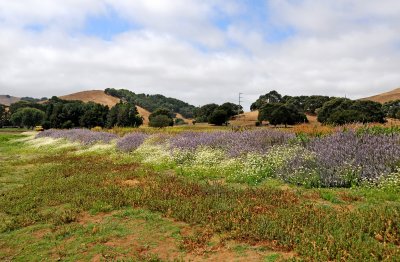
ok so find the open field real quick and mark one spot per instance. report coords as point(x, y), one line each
point(175, 195)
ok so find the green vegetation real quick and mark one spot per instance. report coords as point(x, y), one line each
point(4, 116)
point(64, 201)
point(392, 109)
point(58, 113)
point(330, 110)
point(153, 102)
point(161, 118)
point(341, 111)
point(217, 115)
point(278, 113)
point(27, 117)
point(124, 115)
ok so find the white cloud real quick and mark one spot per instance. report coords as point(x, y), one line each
point(340, 47)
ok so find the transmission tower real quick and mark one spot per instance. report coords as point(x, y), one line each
point(240, 102)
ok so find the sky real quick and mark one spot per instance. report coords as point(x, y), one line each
point(200, 51)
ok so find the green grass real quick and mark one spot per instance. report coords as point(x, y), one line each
point(62, 204)
point(14, 130)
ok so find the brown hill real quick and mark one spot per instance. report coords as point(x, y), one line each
point(100, 97)
point(385, 97)
point(97, 96)
point(8, 100)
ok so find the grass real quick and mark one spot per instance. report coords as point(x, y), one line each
point(60, 203)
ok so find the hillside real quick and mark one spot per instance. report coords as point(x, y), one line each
point(97, 96)
point(385, 97)
point(153, 102)
point(8, 100)
point(100, 97)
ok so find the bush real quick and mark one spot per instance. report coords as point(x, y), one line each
point(180, 121)
point(160, 121)
point(27, 117)
point(218, 117)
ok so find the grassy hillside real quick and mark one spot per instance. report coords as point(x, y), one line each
point(97, 96)
point(100, 97)
point(385, 97)
point(8, 100)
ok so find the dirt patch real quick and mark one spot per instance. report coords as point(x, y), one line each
point(39, 234)
point(86, 218)
point(131, 183)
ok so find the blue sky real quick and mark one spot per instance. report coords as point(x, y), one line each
point(200, 51)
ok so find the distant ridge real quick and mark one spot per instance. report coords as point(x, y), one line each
point(385, 97)
point(8, 100)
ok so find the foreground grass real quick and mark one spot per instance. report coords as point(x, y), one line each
point(65, 203)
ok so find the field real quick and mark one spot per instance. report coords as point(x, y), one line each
point(201, 193)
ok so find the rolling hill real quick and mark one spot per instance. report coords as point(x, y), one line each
point(8, 100)
point(100, 97)
point(385, 97)
point(97, 96)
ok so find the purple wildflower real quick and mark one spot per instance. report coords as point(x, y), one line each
point(131, 141)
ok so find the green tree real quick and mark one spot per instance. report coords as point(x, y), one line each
point(337, 104)
point(162, 111)
point(152, 102)
point(4, 115)
point(287, 114)
point(392, 109)
point(124, 115)
point(313, 103)
point(341, 110)
point(155, 119)
point(23, 104)
point(202, 114)
point(231, 109)
point(94, 115)
point(27, 117)
point(271, 97)
point(218, 117)
point(160, 121)
point(265, 111)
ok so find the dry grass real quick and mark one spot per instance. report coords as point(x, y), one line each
point(7, 101)
point(385, 97)
point(145, 114)
point(97, 96)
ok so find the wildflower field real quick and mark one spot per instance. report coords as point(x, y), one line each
point(206, 194)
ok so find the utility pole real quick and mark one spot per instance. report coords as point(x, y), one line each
point(240, 101)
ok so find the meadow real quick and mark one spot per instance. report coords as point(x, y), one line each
point(199, 193)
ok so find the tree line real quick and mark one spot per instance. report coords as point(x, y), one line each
point(153, 102)
point(288, 110)
point(217, 114)
point(58, 113)
point(273, 107)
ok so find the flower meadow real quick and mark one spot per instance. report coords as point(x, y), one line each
point(84, 136)
point(344, 158)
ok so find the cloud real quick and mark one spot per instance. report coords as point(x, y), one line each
point(180, 49)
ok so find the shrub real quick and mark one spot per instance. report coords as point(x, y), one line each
point(161, 121)
point(27, 117)
point(218, 117)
